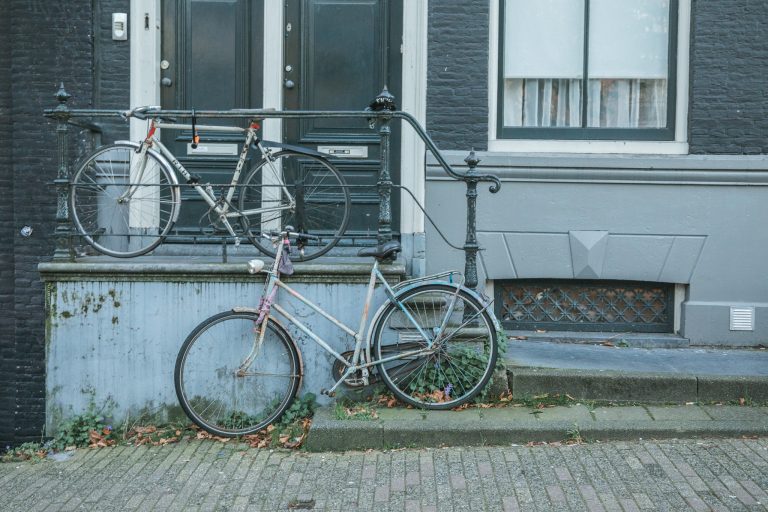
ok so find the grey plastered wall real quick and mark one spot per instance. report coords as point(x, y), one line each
point(114, 330)
point(693, 220)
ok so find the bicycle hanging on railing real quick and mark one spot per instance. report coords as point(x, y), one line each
point(126, 197)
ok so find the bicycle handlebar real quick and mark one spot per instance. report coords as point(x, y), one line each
point(145, 112)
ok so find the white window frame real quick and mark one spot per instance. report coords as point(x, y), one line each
point(679, 146)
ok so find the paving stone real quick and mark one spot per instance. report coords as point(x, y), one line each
point(718, 474)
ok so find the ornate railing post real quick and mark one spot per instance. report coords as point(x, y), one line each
point(62, 233)
point(384, 102)
point(470, 246)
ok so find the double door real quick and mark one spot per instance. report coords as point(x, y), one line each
point(337, 55)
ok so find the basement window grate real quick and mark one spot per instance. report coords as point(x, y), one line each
point(570, 305)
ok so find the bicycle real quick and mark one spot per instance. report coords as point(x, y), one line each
point(125, 197)
point(433, 343)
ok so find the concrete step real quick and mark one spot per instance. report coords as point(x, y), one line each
point(399, 427)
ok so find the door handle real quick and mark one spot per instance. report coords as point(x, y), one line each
point(289, 84)
point(166, 82)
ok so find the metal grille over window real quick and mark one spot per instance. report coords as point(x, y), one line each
point(610, 306)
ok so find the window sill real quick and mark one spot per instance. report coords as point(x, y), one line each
point(588, 147)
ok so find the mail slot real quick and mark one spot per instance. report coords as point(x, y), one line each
point(344, 151)
point(212, 149)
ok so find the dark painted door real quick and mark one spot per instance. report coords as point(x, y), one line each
point(212, 58)
point(339, 54)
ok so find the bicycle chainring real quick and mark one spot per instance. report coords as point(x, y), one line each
point(356, 379)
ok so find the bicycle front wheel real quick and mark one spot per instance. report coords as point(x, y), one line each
point(219, 391)
point(444, 346)
point(120, 209)
point(298, 190)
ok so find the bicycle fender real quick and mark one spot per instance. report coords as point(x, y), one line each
point(295, 149)
point(168, 167)
point(380, 311)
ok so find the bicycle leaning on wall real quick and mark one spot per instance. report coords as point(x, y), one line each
point(433, 343)
point(125, 197)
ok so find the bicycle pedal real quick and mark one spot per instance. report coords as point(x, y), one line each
point(328, 393)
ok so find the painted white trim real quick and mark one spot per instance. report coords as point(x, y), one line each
point(414, 101)
point(677, 147)
point(144, 60)
point(679, 298)
point(588, 146)
point(274, 39)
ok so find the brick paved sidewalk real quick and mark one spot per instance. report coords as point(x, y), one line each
point(722, 474)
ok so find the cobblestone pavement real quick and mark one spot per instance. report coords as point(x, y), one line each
point(717, 474)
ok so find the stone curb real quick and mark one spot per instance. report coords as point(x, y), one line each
point(408, 428)
point(636, 387)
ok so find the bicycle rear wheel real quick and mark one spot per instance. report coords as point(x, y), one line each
point(115, 213)
point(461, 360)
point(216, 395)
point(321, 206)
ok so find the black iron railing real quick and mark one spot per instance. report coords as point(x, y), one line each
point(379, 114)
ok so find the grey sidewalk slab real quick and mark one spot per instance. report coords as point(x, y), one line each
point(690, 361)
point(596, 372)
point(499, 426)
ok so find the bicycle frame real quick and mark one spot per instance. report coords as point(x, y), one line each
point(361, 360)
point(221, 206)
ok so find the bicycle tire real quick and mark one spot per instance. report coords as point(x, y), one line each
point(108, 221)
point(322, 203)
point(460, 366)
point(218, 400)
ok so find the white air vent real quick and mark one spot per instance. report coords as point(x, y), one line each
point(742, 319)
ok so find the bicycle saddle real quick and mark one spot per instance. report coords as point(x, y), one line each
point(381, 252)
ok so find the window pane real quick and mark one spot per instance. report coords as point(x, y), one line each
point(628, 63)
point(543, 62)
point(544, 39)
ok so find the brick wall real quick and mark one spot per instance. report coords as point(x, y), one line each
point(7, 385)
point(457, 75)
point(729, 63)
point(51, 43)
point(48, 42)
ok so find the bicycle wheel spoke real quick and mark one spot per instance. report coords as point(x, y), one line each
point(462, 357)
point(321, 203)
point(213, 390)
point(115, 215)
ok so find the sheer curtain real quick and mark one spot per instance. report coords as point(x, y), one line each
point(627, 66)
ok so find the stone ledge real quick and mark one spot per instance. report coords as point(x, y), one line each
point(179, 269)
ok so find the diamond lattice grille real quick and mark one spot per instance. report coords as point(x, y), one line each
point(586, 305)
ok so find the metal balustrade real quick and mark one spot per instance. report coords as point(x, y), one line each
point(380, 114)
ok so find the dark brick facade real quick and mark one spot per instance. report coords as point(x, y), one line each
point(457, 74)
point(46, 43)
point(7, 351)
point(729, 66)
point(728, 110)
